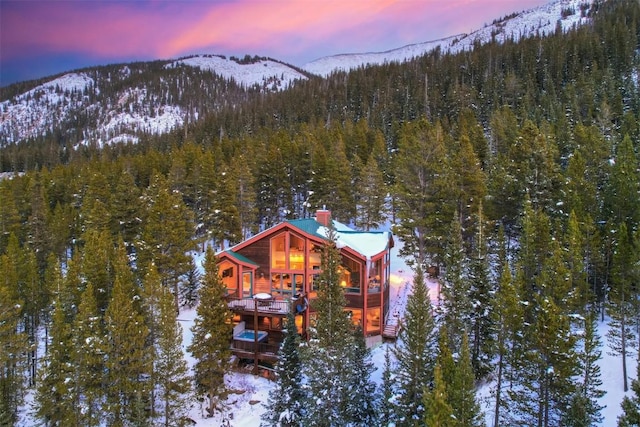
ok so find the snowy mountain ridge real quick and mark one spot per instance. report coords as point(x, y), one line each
point(114, 104)
point(542, 20)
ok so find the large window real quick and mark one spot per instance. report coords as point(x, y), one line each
point(373, 319)
point(315, 257)
point(375, 276)
point(278, 253)
point(247, 284)
point(296, 252)
point(350, 275)
point(355, 314)
point(287, 252)
point(281, 284)
point(228, 276)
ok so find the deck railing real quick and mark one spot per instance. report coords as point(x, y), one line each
point(273, 306)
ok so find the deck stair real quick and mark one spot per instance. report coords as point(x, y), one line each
point(393, 321)
point(391, 328)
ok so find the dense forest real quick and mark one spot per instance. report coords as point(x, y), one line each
point(514, 167)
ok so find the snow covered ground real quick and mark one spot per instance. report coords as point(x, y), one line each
point(247, 406)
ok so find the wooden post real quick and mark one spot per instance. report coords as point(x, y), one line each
point(255, 336)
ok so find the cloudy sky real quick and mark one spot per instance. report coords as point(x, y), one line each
point(43, 37)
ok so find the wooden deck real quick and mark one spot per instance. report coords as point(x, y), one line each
point(246, 350)
point(273, 307)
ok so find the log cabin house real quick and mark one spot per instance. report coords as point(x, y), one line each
point(273, 273)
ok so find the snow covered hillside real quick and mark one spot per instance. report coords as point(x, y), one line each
point(541, 20)
point(265, 73)
point(119, 103)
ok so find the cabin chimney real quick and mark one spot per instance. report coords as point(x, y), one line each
point(323, 216)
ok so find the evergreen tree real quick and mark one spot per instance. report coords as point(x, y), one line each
point(621, 201)
point(211, 333)
point(621, 299)
point(482, 295)
point(189, 287)
point(386, 406)
point(631, 404)
point(88, 354)
point(461, 390)
point(414, 353)
point(127, 357)
point(13, 344)
point(9, 215)
point(421, 193)
point(97, 265)
point(360, 389)
point(455, 305)
point(469, 186)
point(327, 375)
point(166, 236)
point(54, 391)
point(286, 405)
point(227, 226)
point(508, 315)
point(438, 412)
point(125, 209)
point(370, 206)
point(170, 370)
point(246, 197)
point(584, 409)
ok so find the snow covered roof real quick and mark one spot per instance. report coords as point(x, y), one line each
point(366, 243)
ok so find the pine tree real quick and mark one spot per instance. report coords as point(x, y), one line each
point(327, 374)
point(414, 353)
point(13, 344)
point(127, 357)
point(226, 219)
point(621, 196)
point(9, 215)
point(631, 404)
point(360, 389)
point(166, 236)
point(189, 287)
point(482, 293)
point(508, 315)
point(125, 209)
point(421, 193)
point(461, 390)
point(54, 398)
point(211, 333)
point(286, 405)
point(370, 206)
point(455, 305)
point(584, 409)
point(246, 197)
point(621, 299)
point(170, 370)
point(386, 405)
point(97, 265)
point(88, 354)
point(438, 412)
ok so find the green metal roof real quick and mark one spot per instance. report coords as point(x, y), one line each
point(239, 257)
point(308, 225)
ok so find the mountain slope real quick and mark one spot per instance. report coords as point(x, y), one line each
point(122, 103)
point(542, 20)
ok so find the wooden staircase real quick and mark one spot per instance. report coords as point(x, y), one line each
point(391, 328)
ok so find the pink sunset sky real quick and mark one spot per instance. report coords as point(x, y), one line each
point(40, 38)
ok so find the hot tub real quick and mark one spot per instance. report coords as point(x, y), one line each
point(249, 336)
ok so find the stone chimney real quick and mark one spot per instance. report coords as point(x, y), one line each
point(323, 216)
